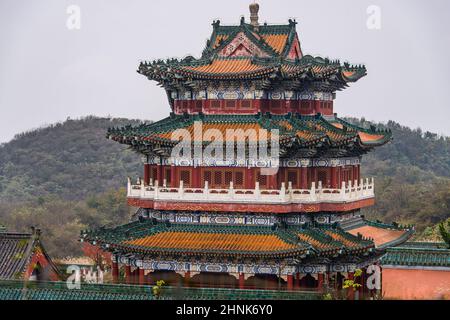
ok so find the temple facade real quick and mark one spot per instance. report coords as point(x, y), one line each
point(253, 181)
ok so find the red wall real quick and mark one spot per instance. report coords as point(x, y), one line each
point(47, 270)
point(245, 178)
point(415, 284)
point(305, 107)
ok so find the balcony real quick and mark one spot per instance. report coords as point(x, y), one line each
point(348, 193)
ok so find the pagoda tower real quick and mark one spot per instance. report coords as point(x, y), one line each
point(252, 181)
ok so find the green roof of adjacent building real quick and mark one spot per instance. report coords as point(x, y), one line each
point(18, 290)
point(418, 254)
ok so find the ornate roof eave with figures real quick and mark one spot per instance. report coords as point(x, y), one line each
point(149, 238)
point(268, 55)
point(308, 73)
point(307, 135)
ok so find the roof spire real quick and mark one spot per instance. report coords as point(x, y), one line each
point(254, 8)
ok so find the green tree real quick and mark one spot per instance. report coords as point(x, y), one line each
point(445, 234)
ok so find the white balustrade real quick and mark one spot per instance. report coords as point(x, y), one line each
point(351, 191)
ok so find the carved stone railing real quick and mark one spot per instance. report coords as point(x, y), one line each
point(348, 192)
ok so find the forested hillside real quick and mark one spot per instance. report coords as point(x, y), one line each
point(71, 160)
point(68, 177)
point(412, 176)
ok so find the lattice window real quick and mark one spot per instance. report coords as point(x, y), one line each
point(228, 177)
point(304, 105)
point(294, 104)
point(198, 106)
point(218, 178)
point(215, 104)
point(230, 104)
point(322, 176)
point(207, 177)
point(239, 179)
point(293, 177)
point(168, 176)
point(262, 179)
point(185, 176)
point(246, 104)
point(276, 103)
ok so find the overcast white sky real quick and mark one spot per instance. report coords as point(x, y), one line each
point(49, 73)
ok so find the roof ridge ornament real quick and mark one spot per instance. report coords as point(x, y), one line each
point(254, 9)
point(216, 24)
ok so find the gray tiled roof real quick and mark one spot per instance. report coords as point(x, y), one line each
point(15, 252)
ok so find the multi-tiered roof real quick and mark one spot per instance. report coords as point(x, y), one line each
point(314, 135)
point(250, 77)
point(260, 59)
point(268, 53)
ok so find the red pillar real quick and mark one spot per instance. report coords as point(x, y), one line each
point(328, 278)
point(361, 281)
point(304, 178)
point(249, 178)
point(172, 176)
point(340, 177)
point(355, 174)
point(267, 284)
point(134, 276)
point(187, 278)
point(290, 282)
point(334, 184)
point(272, 181)
point(297, 280)
point(241, 281)
point(128, 274)
point(280, 177)
point(351, 293)
point(316, 106)
point(159, 174)
point(320, 279)
point(141, 276)
point(176, 182)
point(146, 174)
point(115, 272)
point(196, 178)
point(314, 175)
